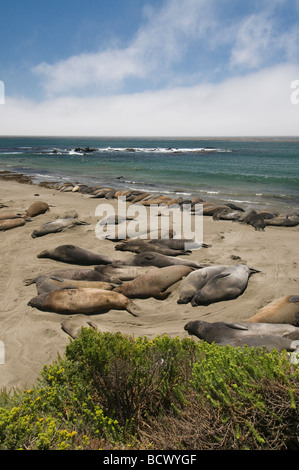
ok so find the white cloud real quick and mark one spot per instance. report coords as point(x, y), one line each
point(256, 104)
point(158, 44)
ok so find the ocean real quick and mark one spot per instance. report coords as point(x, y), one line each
point(258, 173)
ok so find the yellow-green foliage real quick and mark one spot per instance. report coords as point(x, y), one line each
point(107, 384)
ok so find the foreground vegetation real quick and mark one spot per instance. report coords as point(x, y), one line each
point(110, 391)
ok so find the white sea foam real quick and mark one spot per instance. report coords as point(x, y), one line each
point(167, 150)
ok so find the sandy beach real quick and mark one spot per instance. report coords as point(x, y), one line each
point(33, 338)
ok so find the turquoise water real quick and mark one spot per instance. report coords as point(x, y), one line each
point(253, 173)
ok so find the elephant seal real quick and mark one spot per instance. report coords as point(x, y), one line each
point(268, 342)
point(150, 258)
point(75, 255)
point(228, 284)
point(219, 332)
point(282, 310)
point(74, 274)
point(196, 280)
point(141, 246)
point(117, 274)
point(7, 224)
point(50, 283)
point(154, 283)
point(83, 300)
point(37, 208)
point(179, 243)
point(157, 200)
point(10, 215)
point(283, 221)
point(73, 325)
point(57, 225)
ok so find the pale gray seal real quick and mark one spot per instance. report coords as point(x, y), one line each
point(75, 255)
point(50, 283)
point(268, 342)
point(78, 274)
point(117, 274)
point(229, 283)
point(73, 325)
point(282, 310)
point(179, 243)
point(218, 332)
point(83, 300)
point(141, 246)
point(151, 258)
point(57, 225)
point(154, 283)
point(196, 280)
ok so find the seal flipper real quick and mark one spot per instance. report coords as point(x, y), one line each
point(236, 326)
point(133, 309)
point(294, 298)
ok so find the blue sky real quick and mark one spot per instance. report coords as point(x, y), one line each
point(155, 67)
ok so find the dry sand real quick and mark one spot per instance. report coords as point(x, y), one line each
point(33, 338)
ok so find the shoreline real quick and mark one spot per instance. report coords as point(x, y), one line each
point(33, 338)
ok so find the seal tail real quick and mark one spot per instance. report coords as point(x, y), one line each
point(133, 309)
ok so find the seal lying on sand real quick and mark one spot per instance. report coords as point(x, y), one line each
point(57, 225)
point(141, 246)
point(75, 255)
point(7, 224)
point(73, 325)
point(75, 274)
point(179, 243)
point(151, 258)
point(282, 310)
point(264, 341)
point(37, 208)
point(50, 283)
point(196, 280)
point(10, 215)
point(218, 332)
point(229, 283)
point(118, 274)
point(154, 283)
point(83, 300)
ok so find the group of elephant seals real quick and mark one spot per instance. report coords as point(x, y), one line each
point(279, 336)
point(214, 283)
point(282, 310)
point(154, 283)
point(75, 255)
point(46, 284)
point(83, 300)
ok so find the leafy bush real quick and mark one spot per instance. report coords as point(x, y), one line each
point(111, 391)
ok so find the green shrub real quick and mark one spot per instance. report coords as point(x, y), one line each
point(111, 391)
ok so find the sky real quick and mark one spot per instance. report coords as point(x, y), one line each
point(194, 68)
